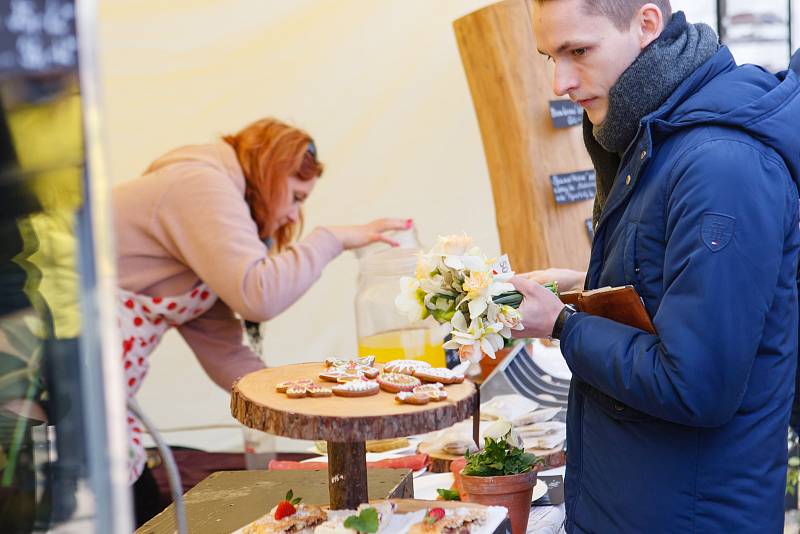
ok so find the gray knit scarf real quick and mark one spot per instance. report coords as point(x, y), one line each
point(653, 76)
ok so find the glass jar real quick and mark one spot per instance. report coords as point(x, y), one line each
point(382, 330)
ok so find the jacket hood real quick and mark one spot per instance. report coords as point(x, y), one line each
point(749, 98)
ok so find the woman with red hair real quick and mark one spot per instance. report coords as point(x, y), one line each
point(206, 235)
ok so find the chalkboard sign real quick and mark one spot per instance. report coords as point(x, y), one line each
point(573, 186)
point(37, 36)
point(565, 113)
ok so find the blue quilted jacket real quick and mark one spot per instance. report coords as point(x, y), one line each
point(685, 430)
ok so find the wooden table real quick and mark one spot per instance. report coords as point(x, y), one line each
point(345, 423)
point(227, 500)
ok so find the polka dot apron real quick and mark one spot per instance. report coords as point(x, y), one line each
point(143, 320)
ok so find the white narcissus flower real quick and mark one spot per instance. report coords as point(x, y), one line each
point(452, 245)
point(409, 301)
point(476, 339)
point(459, 253)
point(482, 287)
point(426, 266)
point(469, 262)
point(434, 285)
point(455, 273)
point(505, 315)
point(477, 283)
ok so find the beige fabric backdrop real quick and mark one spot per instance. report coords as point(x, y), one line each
point(378, 83)
point(380, 86)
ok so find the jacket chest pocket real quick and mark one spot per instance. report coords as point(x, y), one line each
point(611, 407)
point(630, 264)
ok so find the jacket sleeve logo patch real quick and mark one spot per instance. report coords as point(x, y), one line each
point(717, 230)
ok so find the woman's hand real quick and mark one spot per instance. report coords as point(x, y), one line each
point(361, 235)
point(567, 278)
point(539, 309)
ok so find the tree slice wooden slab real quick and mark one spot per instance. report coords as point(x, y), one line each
point(440, 461)
point(256, 404)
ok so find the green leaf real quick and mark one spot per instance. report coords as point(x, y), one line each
point(498, 458)
point(514, 298)
point(365, 522)
point(443, 316)
point(448, 494)
point(20, 375)
point(20, 337)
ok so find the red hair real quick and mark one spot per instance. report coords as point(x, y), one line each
point(270, 151)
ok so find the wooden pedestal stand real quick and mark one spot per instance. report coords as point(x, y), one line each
point(345, 423)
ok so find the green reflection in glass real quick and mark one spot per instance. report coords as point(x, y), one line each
point(41, 181)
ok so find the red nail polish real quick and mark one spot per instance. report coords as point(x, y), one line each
point(409, 223)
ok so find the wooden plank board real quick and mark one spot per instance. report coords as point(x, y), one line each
point(256, 403)
point(511, 87)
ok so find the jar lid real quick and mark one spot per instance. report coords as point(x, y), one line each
point(389, 262)
point(406, 239)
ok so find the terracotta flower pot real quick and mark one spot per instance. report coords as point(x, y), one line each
point(512, 491)
point(488, 364)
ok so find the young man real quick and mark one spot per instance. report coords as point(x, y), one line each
point(697, 162)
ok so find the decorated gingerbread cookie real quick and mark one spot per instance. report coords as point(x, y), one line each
point(348, 373)
point(394, 382)
point(409, 397)
point(434, 392)
point(405, 367)
point(297, 389)
point(439, 374)
point(302, 382)
point(366, 361)
point(357, 388)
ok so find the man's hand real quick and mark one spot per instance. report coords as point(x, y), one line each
point(567, 278)
point(360, 235)
point(539, 308)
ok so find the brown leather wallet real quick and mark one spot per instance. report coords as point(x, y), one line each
point(621, 304)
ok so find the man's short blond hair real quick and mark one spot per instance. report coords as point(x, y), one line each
point(620, 12)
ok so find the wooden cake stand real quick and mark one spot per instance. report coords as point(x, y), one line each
point(345, 423)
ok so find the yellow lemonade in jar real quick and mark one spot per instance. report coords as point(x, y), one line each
point(406, 344)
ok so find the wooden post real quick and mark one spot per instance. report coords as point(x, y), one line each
point(347, 474)
point(510, 84)
point(476, 418)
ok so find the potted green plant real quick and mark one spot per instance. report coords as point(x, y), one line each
point(502, 474)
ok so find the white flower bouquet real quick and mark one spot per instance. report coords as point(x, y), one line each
point(459, 286)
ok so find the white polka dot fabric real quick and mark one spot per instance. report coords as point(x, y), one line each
point(143, 320)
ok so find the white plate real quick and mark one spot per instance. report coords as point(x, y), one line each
point(425, 487)
point(539, 490)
